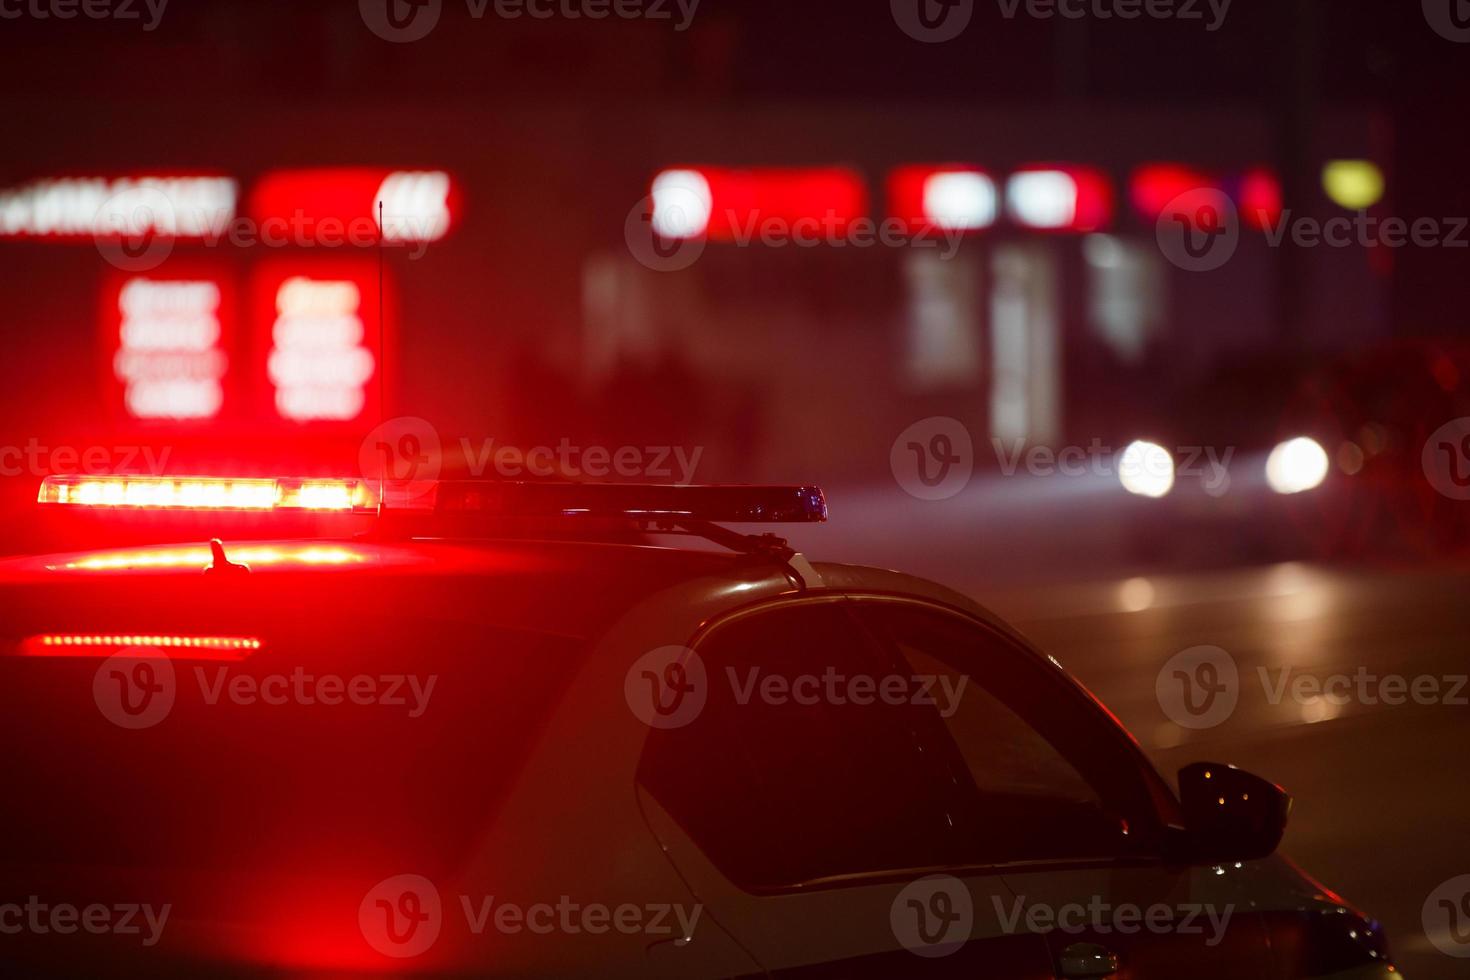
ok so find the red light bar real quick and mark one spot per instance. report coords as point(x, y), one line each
point(145, 645)
point(490, 498)
point(205, 493)
point(727, 205)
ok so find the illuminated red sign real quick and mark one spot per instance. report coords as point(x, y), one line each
point(1155, 185)
point(739, 205)
point(1259, 195)
point(340, 205)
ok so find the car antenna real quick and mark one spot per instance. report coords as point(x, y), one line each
point(382, 359)
point(221, 564)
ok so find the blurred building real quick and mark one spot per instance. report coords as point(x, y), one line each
point(515, 306)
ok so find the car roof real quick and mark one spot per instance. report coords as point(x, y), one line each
point(362, 555)
point(573, 588)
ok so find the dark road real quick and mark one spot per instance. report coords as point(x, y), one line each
point(1357, 763)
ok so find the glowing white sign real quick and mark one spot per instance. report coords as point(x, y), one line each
point(318, 363)
point(168, 359)
point(184, 207)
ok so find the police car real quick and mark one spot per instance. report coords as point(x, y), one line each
point(498, 729)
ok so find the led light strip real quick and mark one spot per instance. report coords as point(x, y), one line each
point(203, 493)
point(198, 558)
point(149, 644)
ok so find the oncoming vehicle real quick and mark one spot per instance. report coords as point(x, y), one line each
point(510, 731)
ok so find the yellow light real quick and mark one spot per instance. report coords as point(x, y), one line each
point(1353, 184)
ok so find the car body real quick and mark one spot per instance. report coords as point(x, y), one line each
point(599, 758)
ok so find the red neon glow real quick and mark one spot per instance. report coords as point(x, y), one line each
point(198, 558)
point(1259, 198)
point(1060, 197)
point(168, 357)
point(86, 207)
point(145, 645)
point(1154, 186)
point(739, 205)
point(203, 493)
point(951, 198)
point(340, 205)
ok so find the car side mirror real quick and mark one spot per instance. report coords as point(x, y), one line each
point(1229, 814)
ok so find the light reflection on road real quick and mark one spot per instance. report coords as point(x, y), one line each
point(1380, 791)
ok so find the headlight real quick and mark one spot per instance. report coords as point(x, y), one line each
point(1296, 465)
point(1147, 469)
